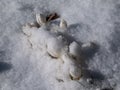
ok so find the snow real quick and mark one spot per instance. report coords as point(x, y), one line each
point(24, 67)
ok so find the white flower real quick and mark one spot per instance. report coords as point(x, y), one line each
point(55, 46)
point(72, 66)
point(63, 24)
point(74, 49)
point(75, 72)
point(41, 20)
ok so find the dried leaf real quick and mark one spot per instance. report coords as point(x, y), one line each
point(52, 16)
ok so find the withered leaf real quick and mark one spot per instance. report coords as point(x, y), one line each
point(52, 16)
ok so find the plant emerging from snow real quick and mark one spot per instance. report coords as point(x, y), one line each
point(56, 44)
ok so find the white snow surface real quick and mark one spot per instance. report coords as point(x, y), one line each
point(24, 68)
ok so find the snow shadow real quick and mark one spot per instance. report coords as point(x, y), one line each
point(2, 55)
point(4, 66)
point(94, 75)
point(89, 52)
point(73, 26)
point(74, 29)
point(80, 29)
point(70, 39)
point(115, 41)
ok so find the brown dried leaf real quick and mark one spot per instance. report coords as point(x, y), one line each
point(52, 16)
